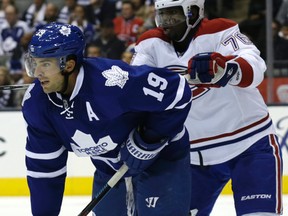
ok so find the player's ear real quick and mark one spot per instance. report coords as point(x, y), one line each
point(70, 65)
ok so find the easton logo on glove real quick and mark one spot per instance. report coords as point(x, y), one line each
point(231, 68)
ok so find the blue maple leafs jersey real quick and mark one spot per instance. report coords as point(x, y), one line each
point(109, 100)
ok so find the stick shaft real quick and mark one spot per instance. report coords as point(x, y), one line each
point(14, 87)
point(107, 187)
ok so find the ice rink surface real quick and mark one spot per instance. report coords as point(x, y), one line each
point(73, 205)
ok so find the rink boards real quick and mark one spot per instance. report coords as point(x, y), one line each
point(80, 170)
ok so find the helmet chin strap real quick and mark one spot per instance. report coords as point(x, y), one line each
point(189, 27)
point(66, 79)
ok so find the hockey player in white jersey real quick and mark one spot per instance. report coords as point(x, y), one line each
point(113, 113)
point(231, 133)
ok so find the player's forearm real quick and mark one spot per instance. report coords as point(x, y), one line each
point(46, 195)
point(252, 70)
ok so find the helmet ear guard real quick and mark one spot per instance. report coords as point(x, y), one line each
point(189, 14)
point(194, 17)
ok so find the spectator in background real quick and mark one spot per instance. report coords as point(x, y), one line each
point(66, 11)
point(11, 33)
point(142, 9)
point(126, 25)
point(282, 14)
point(255, 25)
point(118, 4)
point(34, 14)
point(110, 45)
point(4, 4)
point(99, 10)
point(84, 2)
point(281, 46)
point(149, 21)
point(18, 95)
point(280, 50)
point(211, 9)
point(25, 41)
point(79, 19)
point(258, 8)
point(127, 56)
point(118, 7)
point(92, 50)
point(6, 96)
point(51, 13)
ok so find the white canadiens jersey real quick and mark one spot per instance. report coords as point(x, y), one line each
point(223, 122)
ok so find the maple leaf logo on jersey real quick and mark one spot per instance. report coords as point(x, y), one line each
point(115, 76)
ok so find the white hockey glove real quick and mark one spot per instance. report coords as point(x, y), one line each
point(139, 155)
point(211, 69)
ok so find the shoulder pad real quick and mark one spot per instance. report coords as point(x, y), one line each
point(153, 33)
point(214, 26)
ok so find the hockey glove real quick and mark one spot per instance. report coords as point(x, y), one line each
point(139, 155)
point(211, 69)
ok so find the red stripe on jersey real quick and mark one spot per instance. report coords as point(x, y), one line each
point(232, 133)
point(247, 72)
point(273, 142)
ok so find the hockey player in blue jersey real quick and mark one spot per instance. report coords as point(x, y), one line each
point(102, 109)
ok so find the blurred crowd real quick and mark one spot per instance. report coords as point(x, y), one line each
point(253, 24)
point(111, 28)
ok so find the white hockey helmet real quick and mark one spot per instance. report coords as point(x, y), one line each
point(185, 4)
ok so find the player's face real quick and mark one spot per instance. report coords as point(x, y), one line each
point(172, 20)
point(47, 71)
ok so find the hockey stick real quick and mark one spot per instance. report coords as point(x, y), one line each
point(14, 87)
point(107, 187)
